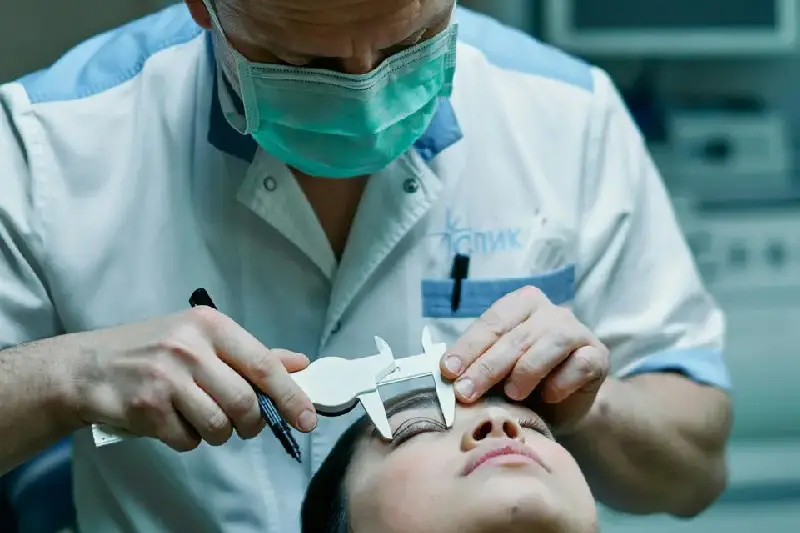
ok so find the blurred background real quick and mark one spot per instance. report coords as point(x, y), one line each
point(714, 86)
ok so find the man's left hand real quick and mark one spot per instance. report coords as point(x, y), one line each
point(532, 344)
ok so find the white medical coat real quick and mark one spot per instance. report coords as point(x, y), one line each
point(123, 188)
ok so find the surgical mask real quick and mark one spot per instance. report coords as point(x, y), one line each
point(329, 124)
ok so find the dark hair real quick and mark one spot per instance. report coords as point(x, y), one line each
point(325, 504)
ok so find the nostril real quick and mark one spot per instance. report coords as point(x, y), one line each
point(510, 429)
point(482, 431)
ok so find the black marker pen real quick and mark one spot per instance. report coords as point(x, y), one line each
point(275, 421)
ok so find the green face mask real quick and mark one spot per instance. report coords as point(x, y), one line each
point(334, 125)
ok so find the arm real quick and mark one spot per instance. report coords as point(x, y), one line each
point(34, 415)
point(654, 441)
point(29, 419)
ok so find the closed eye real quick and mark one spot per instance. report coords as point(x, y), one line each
point(538, 425)
point(414, 427)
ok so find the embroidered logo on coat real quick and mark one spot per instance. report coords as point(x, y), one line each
point(459, 238)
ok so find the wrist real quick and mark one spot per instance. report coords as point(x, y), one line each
point(60, 384)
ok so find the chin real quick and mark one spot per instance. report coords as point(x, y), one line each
point(511, 504)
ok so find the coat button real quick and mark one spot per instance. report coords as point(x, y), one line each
point(411, 185)
point(270, 184)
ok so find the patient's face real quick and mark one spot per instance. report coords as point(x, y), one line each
point(498, 469)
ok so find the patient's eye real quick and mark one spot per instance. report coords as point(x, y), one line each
point(538, 425)
point(414, 427)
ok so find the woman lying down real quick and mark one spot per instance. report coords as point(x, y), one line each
point(498, 469)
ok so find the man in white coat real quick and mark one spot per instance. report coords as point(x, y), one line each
point(317, 165)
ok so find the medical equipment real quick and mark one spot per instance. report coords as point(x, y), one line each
point(723, 153)
point(337, 385)
point(677, 28)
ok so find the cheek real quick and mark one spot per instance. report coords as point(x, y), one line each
point(567, 474)
point(406, 495)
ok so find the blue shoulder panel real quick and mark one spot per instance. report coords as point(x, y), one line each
point(701, 365)
point(111, 58)
point(512, 49)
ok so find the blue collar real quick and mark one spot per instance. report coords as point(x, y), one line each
point(443, 132)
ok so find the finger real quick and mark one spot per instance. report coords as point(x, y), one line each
point(584, 370)
point(497, 362)
point(273, 379)
point(292, 361)
point(246, 355)
point(166, 425)
point(552, 346)
point(205, 416)
point(503, 316)
point(180, 435)
point(232, 395)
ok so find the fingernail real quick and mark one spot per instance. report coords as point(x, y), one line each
point(453, 364)
point(512, 391)
point(307, 420)
point(465, 388)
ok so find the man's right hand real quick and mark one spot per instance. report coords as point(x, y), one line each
point(181, 379)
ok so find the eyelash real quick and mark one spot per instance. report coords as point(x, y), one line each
point(417, 426)
point(537, 425)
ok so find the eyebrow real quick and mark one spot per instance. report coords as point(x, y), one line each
point(418, 400)
point(427, 398)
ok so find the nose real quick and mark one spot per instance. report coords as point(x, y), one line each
point(495, 425)
point(360, 63)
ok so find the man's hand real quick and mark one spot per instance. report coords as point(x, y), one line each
point(531, 344)
point(181, 379)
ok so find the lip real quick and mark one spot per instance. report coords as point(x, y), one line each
point(503, 448)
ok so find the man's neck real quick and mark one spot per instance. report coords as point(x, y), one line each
point(335, 202)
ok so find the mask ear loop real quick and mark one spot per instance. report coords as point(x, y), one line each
point(244, 80)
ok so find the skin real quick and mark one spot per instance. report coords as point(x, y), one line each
point(179, 379)
point(170, 378)
point(418, 484)
point(523, 338)
point(540, 352)
point(655, 443)
point(348, 36)
point(526, 342)
point(652, 443)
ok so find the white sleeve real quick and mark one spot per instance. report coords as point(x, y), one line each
point(638, 288)
point(26, 311)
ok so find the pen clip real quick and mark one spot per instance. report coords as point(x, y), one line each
point(458, 273)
